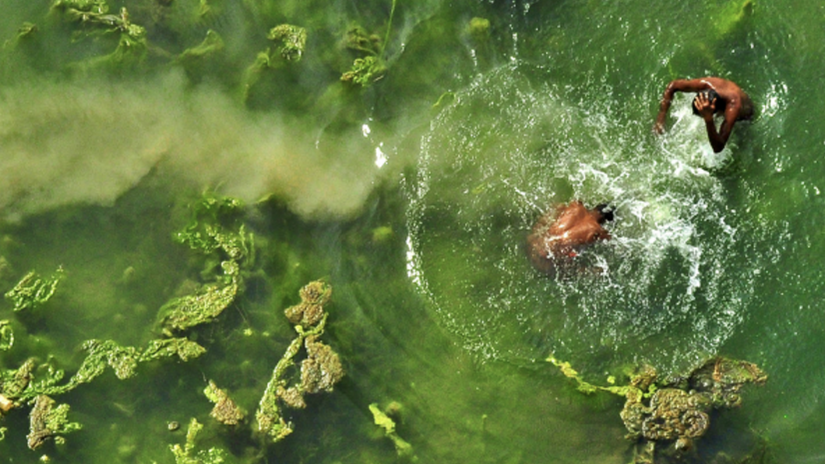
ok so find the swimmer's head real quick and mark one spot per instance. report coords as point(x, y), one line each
point(606, 213)
point(711, 96)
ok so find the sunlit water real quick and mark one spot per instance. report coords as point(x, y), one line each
point(417, 216)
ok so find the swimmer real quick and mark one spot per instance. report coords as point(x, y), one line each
point(561, 234)
point(715, 95)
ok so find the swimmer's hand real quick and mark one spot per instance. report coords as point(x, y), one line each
point(705, 107)
point(659, 128)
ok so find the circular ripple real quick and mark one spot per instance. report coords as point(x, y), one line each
point(677, 278)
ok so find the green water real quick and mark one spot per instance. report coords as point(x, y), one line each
point(712, 254)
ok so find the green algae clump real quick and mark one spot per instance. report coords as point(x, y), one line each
point(33, 384)
point(124, 360)
point(48, 421)
point(187, 454)
point(358, 39)
point(22, 385)
point(33, 291)
point(722, 378)
point(288, 49)
point(383, 420)
point(365, 71)
point(321, 369)
point(183, 348)
point(6, 336)
point(311, 309)
point(290, 40)
point(678, 410)
point(211, 233)
point(319, 372)
point(13, 383)
point(25, 383)
point(370, 67)
point(225, 411)
point(195, 60)
point(96, 20)
point(202, 307)
point(479, 29)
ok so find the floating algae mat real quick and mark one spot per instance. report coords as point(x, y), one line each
point(677, 412)
point(34, 382)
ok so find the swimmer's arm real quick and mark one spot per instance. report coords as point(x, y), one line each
point(718, 140)
point(679, 85)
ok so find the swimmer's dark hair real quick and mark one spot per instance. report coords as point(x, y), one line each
point(711, 95)
point(607, 212)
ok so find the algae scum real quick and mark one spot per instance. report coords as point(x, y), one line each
point(282, 231)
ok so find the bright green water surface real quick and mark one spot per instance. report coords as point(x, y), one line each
point(416, 215)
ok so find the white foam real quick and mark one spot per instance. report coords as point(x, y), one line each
point(667, 272)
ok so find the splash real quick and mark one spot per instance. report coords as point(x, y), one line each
point(676, 284)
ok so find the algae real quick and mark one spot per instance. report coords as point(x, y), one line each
point(358, 39)
point(187, 453)
point(202, 307)
point(24, 384)
point(6, 336)
point(33, 291)
point(290, 41)
point(225, 411)
point(371, 66)
point(444, 100)
point(678, 409)
point(132, 45)
point(459, 446)
point(124, 360)
point(48, 421)
point(183, 348)
point(33, 384)
point(13, 383)
point(25, 31)
point(382, 235)
point(194, 59)
point(311, 309)
point(230, 249)
point(383, 420)
point(479, 29)
point(319, 371)
point(365, 71)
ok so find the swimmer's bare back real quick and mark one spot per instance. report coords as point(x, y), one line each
point(562, 233)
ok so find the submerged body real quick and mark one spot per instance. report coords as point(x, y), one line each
point(559, 235)
point(715, 95)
